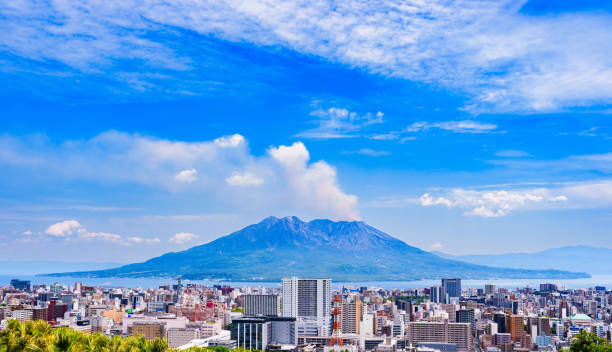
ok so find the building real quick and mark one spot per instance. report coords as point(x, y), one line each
point(543, 340)
point(459, 334)
point(351, 317)
point(306, 298)
point(466, 316)
point(452, 287)
point(544, 326)
point(501, 339)
point(451, 309)
point(309, 301)
point(437, 294)
point(23, 285)
point(182, 336)
point(516, 327)
point(268, 305)
point(283, 331)
point(39, 313)
point(500, 319)
point(149, 329)
point(489, 289)
point(251, 332)
point(22, 315)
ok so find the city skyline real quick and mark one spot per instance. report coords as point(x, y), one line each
point(134, 130)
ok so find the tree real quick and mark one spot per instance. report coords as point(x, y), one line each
point(587, 342)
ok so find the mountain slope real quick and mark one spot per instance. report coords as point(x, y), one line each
point(592, 260)
point(276, 248)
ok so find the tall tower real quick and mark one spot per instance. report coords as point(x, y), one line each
point(336, 338)
point(180, 285)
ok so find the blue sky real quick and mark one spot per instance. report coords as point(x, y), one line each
point(134, 129)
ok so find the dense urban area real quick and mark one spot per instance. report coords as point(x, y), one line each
point(309, 315)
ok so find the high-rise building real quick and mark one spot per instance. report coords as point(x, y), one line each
point(491, 328)
point(544, 326)
point(466, 316)
point(515, 325)
point(516, 306)
point(437, 294)
point(268, 305)
point(351, 317)
point(23, 285)
point(452, 287)
point(489, 289)
point(451, 310)
point(306, 298)
point(500, 319)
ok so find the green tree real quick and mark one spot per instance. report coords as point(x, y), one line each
point(587, 342)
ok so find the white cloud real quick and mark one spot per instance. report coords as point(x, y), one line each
point(510, 153)
point(134, 158)
point(64, 228)
point(103, 236)
point(136, 239)
point(121, 158)
point(70, 227)
point(501, 57)
point(436, 246)
point(465, 126)
point(182, 238)
point(245, 179)
point(367, 151)
point(495, 203)
point(187, 176)
point(339, 123)
point(27, 233)
point(232, 141)
point(315, 184)
point(461, 126)
point(385, 136)
point(427, 200)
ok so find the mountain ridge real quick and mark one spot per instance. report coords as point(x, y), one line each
point(594, 260)
point(280, 247)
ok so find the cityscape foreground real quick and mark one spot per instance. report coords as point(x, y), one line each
point(309, 315)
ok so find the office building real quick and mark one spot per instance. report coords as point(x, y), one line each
point(309, 301)
point(500, 319)
point(459, 334)
point(306, 298)
point(489, 289)
point(259, 332)
point(283, 331)
point(182, 336)
point(501, 339)
point(22, 315)
point(351, 317)
point(268, 305)
point(466, 316)
point(544, 326)
point(543, 341)
point(452, 287)
point(437, 294)
point(23, 285)
point(149, 329)
point(516, 327)
point(250, 332)
point(39, 313)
